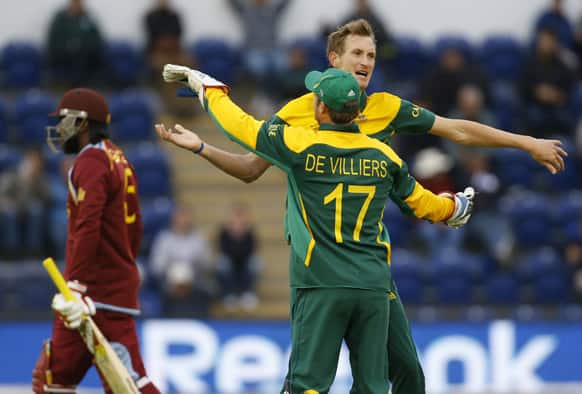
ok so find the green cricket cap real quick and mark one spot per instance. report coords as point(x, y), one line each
point(334, 87)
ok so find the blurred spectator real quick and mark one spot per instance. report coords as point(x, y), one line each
point(440, 87)
point(386, 49)
point(291, 81)
point(75, 45)
point(433, 170)
point(573, 253)
point(180, 262)
point(470, 106)
point(489, 231)
point(555, 19)
point(546, 85)
point(260, 20)
point(164, 33)
point(238, 264)
point(24, 197)
point(578, 45)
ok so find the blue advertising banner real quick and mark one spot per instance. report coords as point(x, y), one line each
point(186, 356)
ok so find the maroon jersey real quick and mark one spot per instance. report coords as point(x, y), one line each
point(104, 228)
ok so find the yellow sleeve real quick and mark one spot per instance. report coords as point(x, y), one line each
point(236, 123)
point(427, 205)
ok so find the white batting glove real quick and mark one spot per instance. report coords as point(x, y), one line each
point(195, 80)
point(464, 202)
point(73, 312)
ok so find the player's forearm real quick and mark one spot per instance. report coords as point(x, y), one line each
point(236, 165)
point(471, 133)
point(427, 205)
point(239, 126)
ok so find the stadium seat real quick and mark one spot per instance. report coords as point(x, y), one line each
point(529, 214)
point(124, 63)
point(502, 57)
point(398, 225)
point(568, 178)
point(541, 262)
point(132, 117)
point(4, 123)
point(514, 167)
point(315, 49)
point(217, 57)
point(552, 288)
point(446, 42)
point(21, 64)
point(502, 289)
point(505, 105)
point(152, 169)
point(413, 58)
point(31, 111)
point(455, 275)
point(9, 158)
point(156, 215)
point(407, 270)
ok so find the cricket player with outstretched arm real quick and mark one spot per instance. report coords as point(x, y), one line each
point(352, 48)
point(103, 237)
point(339, 180)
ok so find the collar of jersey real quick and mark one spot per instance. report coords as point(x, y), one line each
point(350, 128)
point(363, 100)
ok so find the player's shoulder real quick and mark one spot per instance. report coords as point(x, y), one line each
point(300, 104)
point(100, 155)
point(384, 148)
point(383, 100)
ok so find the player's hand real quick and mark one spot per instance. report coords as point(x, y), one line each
point(464, 202)
point(179, 136)
point(195, 80)
point(549, 153)
point(73, 312)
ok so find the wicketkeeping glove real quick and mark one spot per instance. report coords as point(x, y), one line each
point(73, 312)
point(193, 79)
point(463, 208)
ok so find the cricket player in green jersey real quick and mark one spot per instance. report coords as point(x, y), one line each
point(352, 48)
point(339, 180)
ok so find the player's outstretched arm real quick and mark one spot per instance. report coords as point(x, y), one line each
point(248, 167)
point(548, 153)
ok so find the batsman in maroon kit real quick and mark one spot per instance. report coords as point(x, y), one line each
point(103, 237)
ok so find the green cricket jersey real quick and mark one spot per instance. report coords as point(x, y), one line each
point(339, 180)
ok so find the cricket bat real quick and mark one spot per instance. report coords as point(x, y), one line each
point(104, 356)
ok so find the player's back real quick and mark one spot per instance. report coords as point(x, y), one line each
point(343, 179)
point(105, 226)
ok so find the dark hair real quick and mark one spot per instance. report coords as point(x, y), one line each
point(337, 39)
point(97, 131)
point(348, 114)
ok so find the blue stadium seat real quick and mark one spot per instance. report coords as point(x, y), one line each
point(552, 288)
point(34, 293)
point(541, 262)
point(315, 49)
point(413, 58)
point(124, 63)
point(132, 116)
point(31, 111)
point(529, 214)
point(459, 43)
point(514, 167)
point(568, 178)
point(21, 64)
point(156, 214)
point(505, 104)
point(502, 56)
point(407, 270)
point(576, 101)
point(455, 275)
point(502, 289)
point(217, 57)
point(9, 158)
point(152, 169)
point(398, 225)
point(4, 123)
point(378, 83)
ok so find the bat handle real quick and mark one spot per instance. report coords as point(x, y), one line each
point(52, 269)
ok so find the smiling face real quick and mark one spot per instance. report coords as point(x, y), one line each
point(358, 57)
